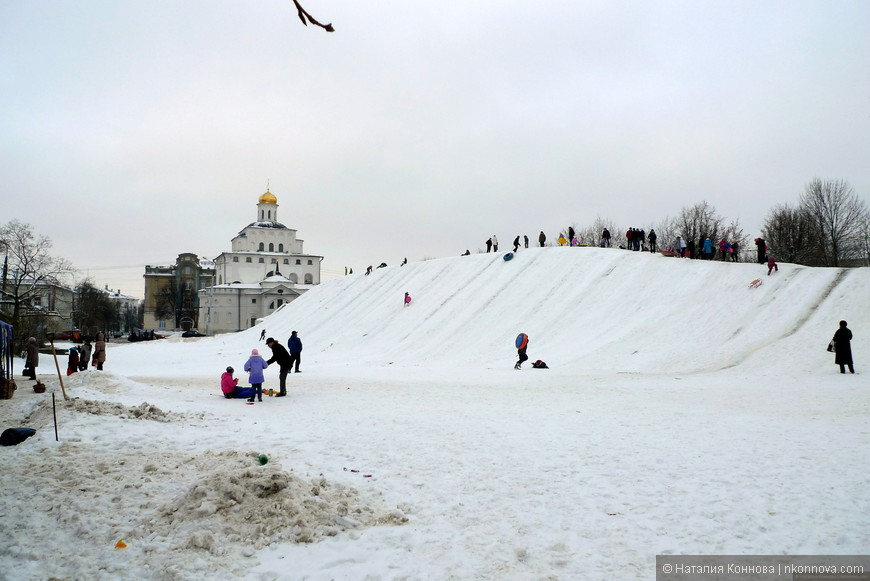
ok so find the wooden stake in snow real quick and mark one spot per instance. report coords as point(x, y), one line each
point(57, 365)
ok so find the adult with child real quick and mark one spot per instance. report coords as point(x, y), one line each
point(282, 358)
point(294, 345)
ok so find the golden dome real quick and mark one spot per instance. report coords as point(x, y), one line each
point(268, 198)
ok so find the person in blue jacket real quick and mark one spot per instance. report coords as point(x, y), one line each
point(255, 366)
point(294, 346)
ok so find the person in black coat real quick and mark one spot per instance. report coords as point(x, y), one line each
point(282, 358)
point(843, 348)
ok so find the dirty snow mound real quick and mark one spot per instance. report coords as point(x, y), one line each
point(237, 500)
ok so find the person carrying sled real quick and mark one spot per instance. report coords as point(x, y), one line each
point(522, 343)
point(255, 365)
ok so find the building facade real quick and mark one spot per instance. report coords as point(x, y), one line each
point(172, 292)
point(265, 269)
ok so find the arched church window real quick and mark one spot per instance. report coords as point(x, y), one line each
point(309, 279)
point(280, 248)
point(270, 214)
point(293, 278)
point(260, 247)
point(271, 247)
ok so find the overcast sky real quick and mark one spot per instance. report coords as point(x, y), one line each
point(133, 131)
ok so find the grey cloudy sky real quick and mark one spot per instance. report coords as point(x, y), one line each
point(131, 131)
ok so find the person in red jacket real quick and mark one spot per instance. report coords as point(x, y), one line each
point(771, 264)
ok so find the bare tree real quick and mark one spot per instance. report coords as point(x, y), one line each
point(95, 311)
point(701, 221)
point(28, 267)
point(838, 215)
point(790, 232)
point(591, 235)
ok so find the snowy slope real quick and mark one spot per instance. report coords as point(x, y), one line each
point(586, 310)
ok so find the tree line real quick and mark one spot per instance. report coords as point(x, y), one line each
point(31, 275)
point(828, 226)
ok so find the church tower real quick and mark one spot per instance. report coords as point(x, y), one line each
point(267, 207)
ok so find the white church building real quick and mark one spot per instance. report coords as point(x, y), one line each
point(265, 269)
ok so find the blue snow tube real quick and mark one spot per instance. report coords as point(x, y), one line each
point(508, 256)
point(522, 340)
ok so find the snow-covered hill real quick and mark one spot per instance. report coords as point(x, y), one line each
point(586, 310)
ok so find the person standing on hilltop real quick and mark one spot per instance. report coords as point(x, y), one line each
point(542, 239)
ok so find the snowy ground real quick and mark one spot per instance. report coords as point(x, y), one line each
point(683, 413)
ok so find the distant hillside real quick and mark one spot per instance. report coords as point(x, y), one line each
point(586, 309)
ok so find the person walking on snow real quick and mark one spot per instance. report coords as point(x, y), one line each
point(516, 243)
point(85, 354)
point(523, 343)
point(255, 365)
point(494, 243)
point(282, 358)
point(72, 365)
point(488, 245)
point(294, 346)
point(31, 362)
point(843, 348)
point(100, 351)
point(771, 264)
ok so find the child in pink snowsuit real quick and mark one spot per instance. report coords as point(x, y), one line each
point(771, 265)
point(407, 299)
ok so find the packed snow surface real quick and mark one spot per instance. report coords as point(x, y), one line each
point(683, 412)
